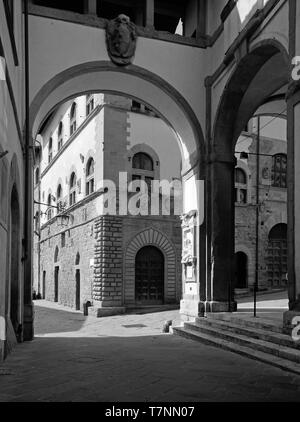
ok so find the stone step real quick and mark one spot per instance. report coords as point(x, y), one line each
point(249, 331)
point(248, 352)
point(247, 321)
point(256, 344)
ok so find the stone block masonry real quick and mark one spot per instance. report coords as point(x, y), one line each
point(108, 274)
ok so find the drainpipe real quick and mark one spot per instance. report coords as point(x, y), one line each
point(27, 242)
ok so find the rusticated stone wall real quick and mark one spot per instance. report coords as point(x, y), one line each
point(107, 287)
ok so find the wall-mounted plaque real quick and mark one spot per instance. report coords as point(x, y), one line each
point(189, 259)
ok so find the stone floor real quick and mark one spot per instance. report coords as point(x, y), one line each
point(127, 358)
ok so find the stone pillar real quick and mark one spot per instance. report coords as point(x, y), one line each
point(293, 109)
point(108, 286)
point(220, 231)
point(201, 19)
point(149, 13)
point(293, 115)
point(192, 304)
point(28, 312)
point(90, 7)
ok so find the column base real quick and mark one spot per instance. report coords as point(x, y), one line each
point(28, 320)
point(190, 308)
point(215, 306)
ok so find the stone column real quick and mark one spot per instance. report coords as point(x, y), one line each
point(90, 7)
point(192, 304)
point(293, 114)
point(201, 19)
point(149, 13)
point(220, 232)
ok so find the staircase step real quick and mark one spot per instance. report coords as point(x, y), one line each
point(247, 321)
point(249, 331)
point(256, 344)
point(208, 339)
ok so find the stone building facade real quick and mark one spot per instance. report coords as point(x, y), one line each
point(81, 254)
point(271, 221)
point(15, 171)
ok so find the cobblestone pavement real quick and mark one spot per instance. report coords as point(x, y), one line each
point(127, 358)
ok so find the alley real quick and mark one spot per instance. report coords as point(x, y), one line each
point(127, 358)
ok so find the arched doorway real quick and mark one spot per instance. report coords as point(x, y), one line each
point(56, 274)
point(44, 285)
point(277, 256)
point(149, 276)
point(241, 270)
point(77, 293)
point(77, 283)
point(14, 259)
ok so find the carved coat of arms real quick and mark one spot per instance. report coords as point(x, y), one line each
point(121, 40)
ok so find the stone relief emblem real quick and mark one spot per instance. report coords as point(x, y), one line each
point(121, 40)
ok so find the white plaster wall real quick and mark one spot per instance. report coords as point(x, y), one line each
point(159, 136)
point(87, 142)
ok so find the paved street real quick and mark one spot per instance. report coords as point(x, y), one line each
point(127, 358)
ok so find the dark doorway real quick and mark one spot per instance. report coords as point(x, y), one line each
point(241, 272)
point(277, 256)
point(56, 276)
point(149, 276)
point(15, 259)
point(77, 290)
point(44, 285)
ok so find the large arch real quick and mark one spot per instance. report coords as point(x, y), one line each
point(255, 78)
point(132, 81)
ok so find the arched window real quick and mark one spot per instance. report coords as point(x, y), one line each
point(50, 209)
point(240, 186)
point(60, 135)
point(142, 161)
point(90, 104)
point(143, 168)
point(50, 151)
point(73, 115)
point(279, 171)
point(277, 256)
point(59, 197)
point(72, 195)
point(90, 179)
point(37, 176)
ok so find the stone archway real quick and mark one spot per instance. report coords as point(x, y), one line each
point(258, 75)
point(150, 237)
